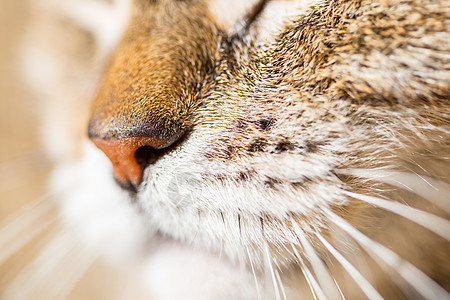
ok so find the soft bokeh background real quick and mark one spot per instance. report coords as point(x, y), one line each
point(23, 167)
point(24, 172)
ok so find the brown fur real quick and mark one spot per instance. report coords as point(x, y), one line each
point(158, 77)
point(375, 72)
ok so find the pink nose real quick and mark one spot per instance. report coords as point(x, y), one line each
point(122, 154)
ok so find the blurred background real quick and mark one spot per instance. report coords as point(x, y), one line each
point(23, 166)
point(28, 212)
point(24, 169)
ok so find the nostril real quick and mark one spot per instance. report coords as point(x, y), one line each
point(129, 156)
point(147, 155)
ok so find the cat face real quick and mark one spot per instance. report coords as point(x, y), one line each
point(192, 135)
point(291, 150)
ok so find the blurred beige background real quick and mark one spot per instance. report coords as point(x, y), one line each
point(24, 169)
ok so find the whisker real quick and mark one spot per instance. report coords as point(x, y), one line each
point(311, 288)
point(318, 266)
point(312, 283)
point(57, 247)
point(432, 190)
point(339, 288)
point(59, 260)
point(80, 264)
point(258, 293)
point(32, 205)
point(272, 273)
point(360, 280)
point(277, 273)
point(415, 277)
point(23, 226)
point(433, 223)
point(11, 247)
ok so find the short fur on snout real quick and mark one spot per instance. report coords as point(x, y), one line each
point(159, 73)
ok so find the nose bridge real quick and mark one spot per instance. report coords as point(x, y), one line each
point(157, 77)
point(134, 99)
point(158, 74)
point(134, 107)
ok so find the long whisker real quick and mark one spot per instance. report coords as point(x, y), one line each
point(416, 278)
point(324, 278)
point(60, 260)
point(272, 273)
point(80, 264)
point(32, 205)
point(339, 288)
point(433, 190)
point(280, 282)
point(360, 280)
point(316, 290)
point(433, 223)
point(23, 226)
point(258, 293)
point(36, 275)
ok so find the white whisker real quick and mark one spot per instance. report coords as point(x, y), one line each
point(415, 277)
point(258, 293)
point(277, 273)
point(360, 280)
point(59, 260)
point(272, 273)
point(314, 287)
point(23, 226)
point(22, 238)
point(32, 205)
point(80, 263)
point(433, 190)
point(433, 223)
point(324, 278)
point(55, 251)
point(339, 288)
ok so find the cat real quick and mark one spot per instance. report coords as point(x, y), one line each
point(258, 150)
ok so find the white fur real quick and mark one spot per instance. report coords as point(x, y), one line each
point(276, 14)
point(175, 272)
point(98, 209)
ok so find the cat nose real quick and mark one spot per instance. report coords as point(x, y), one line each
point(129, 156)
